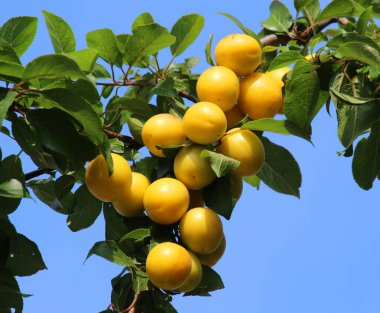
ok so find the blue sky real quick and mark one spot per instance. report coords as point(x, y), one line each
point(320, 254)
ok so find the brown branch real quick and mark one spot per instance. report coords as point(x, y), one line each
point(129, 141)
point(275, 40)
point(187, 95)
point(38, 172)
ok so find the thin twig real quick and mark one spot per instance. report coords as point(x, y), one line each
point(38, 172)
point(131, 143)
point(132, 306)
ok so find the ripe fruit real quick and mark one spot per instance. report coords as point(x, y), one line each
point(168, 265)
point(193, 170)
point(163, 130)
point(236, 186)
point(132, 202)
point(220, 86)
point(279, 74)
point(201, 230)
point(239, 52)
point(246, 147)
point(204, 123)
point(234, 116)
point(196, 198)
point(260, 95)
point(166, 200)
point(195, 277)
point(213, 258)
point(104, 187)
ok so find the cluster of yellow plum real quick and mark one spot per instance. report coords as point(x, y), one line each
point(227, 92)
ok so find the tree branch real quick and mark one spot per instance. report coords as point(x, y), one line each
point(38, 172)
point(130, 142)
point(275, 40)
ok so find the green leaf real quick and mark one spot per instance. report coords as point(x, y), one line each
point(337, 8)
point(350, 99)
point(59, 137)
point(10, 295)
point(211, 281)
point(6, 103)
point(218, 197)
point(280, 171)
point(220, 164)
point(10, 71)
point(147, 166)
point(147, 40)
point(45, 191)
point(280, 18)
point(186, 30)
point(85, 59)
point(52, 66)
point(143, 19)
point(208, 52)
point(8, 54)
point(284, 127)
point(357, 47)
point(61, 34)
point(137, 235)
point(353, 120)
point(363, 20)
point(63, 185)
point(301, 4)
point(78, 108)
point(140, 281)
point(165, 88)
point(253, 180)
point(100, 71)
point(18, 33)
point(284, 59)
point(110, 251)
point(301, 97)
point(245, 29)
point(366, 161)
point(24, 258)
point(105, 42)
point(86, 210)
point(11, 188)
point(312, 11)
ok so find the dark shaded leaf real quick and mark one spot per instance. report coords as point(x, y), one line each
point(211, 281)
point(280, 171)
point(10, 295)
point(86, 210)
point(366, 161)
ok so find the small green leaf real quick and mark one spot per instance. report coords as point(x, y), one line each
point(218, 197)
point(137, 235)
point(208, 53)
point(147, 166)
point(245, 29)
point(211, 281)
point(280, 171)
point(86, 210)
point(284, 127)
point(52, 66)
point(140, 281)
point(351, 99)
point(280, 18)
point(337, 8)
point(147, 40)
point(85, 59)
point(5, 104)
point(311, 11)
point(220, 164)
point(165, 88)
point(253, 180)
point(143, 19)
point(18, 33)
point(24, 258)
point(186, 30)
point(61, 34)
point(284, 59)
point(105, 42)
point(11, 188)
point(366, 161)
point(110, 251)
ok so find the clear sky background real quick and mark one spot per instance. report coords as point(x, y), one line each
point(320, 254)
